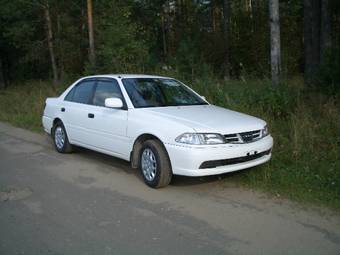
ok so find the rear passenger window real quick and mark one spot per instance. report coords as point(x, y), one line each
point(106, 89)
point(81, 93)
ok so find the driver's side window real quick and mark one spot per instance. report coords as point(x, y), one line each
point(106, 89)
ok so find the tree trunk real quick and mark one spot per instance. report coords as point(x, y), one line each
point(60, 48)
point(275, 47)
point(164, 37)
point(226, 8)
point(2, 78)
point(325, 30)
point(50, 44)
point(92, 56)
point(213, 15)
point(311, 39)
point(171, 47)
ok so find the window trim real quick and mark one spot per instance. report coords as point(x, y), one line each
point(166, 78)
point(76, 85)
point(95, 80)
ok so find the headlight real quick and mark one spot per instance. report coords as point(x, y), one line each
point(200, 138)
point(265, 131)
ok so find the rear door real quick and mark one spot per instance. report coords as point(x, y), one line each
point(75, 109)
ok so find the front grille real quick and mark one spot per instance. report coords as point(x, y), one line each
point(245, 137)
point(251, 136)
point(232, 138)
point(232, 161)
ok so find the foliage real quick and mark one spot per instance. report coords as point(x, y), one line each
point(26, 103)
point(329, 75)
point(118, 49)
point(139, 36)
point(20, 38)
point(306, 129)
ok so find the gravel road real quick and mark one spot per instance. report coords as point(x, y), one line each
point(90, 203)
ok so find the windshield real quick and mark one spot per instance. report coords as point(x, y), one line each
point(158, 92)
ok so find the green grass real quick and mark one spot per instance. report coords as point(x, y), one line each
point(305, 126)
point(306, 130)
point(22, 104)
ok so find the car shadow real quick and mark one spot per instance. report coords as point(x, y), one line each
point(107, 160)
point(117, 164)
point(180, 181)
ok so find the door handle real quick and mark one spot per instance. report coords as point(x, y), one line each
point(62, 109)
point(90, 115)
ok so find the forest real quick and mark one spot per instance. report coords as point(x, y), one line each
point(276, 59)
point(226, 38)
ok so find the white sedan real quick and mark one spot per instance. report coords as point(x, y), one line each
point(158, 124)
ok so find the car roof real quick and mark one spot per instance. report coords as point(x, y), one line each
point(122, 76)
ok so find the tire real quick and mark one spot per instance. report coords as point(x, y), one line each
point(153, 156)
point(58, 132)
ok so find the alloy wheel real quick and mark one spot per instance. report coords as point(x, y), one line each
point(149, 164)
point(59, 137)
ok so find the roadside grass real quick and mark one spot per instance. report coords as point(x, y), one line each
point(22, 104)
point(305, 126)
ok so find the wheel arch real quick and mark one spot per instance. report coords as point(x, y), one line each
point(67, 146)
point(137, 146)
point(55, 121)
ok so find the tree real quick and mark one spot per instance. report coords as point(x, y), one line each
point(225, 37)
point(92, 56)
point(119, 49)
point(325, 30)
point(2, 80)
point(311, 39)
point(275, 46)
point(226, 8)
point(164, 36)
point(50, 43)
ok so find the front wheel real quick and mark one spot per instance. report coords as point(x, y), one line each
point(154, 164)
point(60, 138)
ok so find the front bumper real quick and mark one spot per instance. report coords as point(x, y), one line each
point(188, 160)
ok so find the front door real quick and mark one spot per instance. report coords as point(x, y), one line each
point(107, 126)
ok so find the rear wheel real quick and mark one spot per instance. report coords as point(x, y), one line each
point(154, 164)
point(60, 138)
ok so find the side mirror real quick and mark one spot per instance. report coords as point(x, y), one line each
point(113, 102)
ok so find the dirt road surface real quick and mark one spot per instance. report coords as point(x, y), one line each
point(90, 203)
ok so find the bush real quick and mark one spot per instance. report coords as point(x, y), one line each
point(278, 102)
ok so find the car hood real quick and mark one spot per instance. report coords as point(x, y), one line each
point(209, 118)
